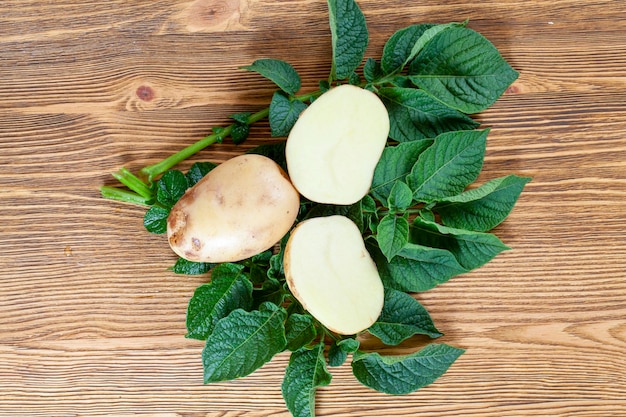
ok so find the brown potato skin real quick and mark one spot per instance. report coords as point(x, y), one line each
point(239, 209)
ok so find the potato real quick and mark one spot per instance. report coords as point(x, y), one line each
point(333, 148)
point(332, 275)
point(239, 209)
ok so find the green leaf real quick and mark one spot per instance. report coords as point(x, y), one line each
point(483, 208)
point(405, 44)
point(155, 220)
point(462, 69)
point(228, 290)
point(353, 212)
point(306, 371)
point(399, 375)
point(372, 70)
point(401, 81)
point(400, 197)
point(369, 214)
point(415, 115)
point(275, 151)
point(338, 351)
point(324, 86)
point(427, 214)
point(244, 341)
point(418, 268)
point(394, 165)
point(258, 266)
point(219, 131)
point(428, 34)
point(279, 72)
point(368, 205)
point(277, 268)
point(197, 171)
point(349, 37)
point(354, 79)
point(471, 249)
point(402, 317)
point(185, 267)
point(397, 49)
point(271, 291)
point(393, 235)
point(171, 187)
point(239, 133)
point(451, 164)
point(336, 356)
point(243, 117)
point(300, 331)
point(284, 114)
point(349, 345)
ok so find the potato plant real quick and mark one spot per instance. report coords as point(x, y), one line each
point(374, 201)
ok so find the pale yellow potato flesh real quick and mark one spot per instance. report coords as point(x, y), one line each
point(333, 148)
point(239, 209)
point(330, 272)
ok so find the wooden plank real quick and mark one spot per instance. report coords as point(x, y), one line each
point(91, 321)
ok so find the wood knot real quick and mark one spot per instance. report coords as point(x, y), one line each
point(145, 93)
point(513, 89)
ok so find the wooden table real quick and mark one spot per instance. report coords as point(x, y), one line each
point(91, 321)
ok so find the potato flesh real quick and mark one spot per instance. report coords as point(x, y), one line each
point(334, 147)
point(239, 209)
point(330, 272)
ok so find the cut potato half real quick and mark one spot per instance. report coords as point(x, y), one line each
point(333, 148)
point(239, 209)
point(330, 272)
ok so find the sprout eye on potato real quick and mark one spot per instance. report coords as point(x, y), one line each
point(330, 272)
point(239, 209)
point(333, 148)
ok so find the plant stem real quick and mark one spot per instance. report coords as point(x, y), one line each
point(331, 334)
point(132, 182)
point(143, 194)
point(308, 96)
point(153, 171)
point(118, 194)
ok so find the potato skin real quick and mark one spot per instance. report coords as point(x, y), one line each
point(239, 209)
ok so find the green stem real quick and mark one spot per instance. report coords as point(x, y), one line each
point(409, 211)
point(331, 334)
point(118, 194)
point(142, 191)
point(153, 171)
point(132, 182)
point(308, 96)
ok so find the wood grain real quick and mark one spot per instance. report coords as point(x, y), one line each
point(91, 321)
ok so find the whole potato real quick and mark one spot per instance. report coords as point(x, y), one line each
point(239, 209)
